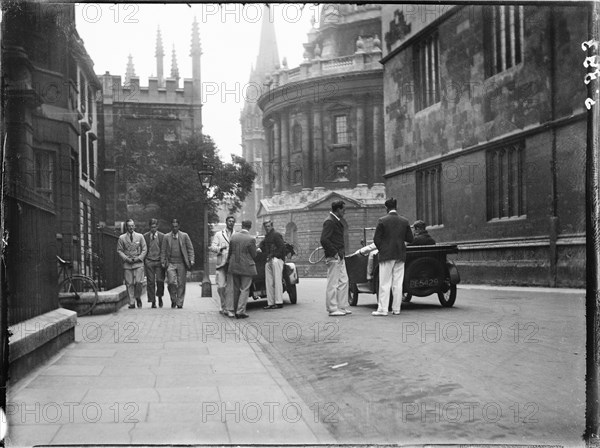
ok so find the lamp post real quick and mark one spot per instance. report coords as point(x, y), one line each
point(205, 176)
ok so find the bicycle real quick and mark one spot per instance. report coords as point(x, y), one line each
point(76, 292)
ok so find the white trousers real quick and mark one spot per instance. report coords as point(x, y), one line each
point(391, 276)
point(274, 281)
point(336, 294)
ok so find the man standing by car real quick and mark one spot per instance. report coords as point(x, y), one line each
point(177, 257)
point(391, 234)
point(155, 274)
point(132, 250)
point(332, 240)
point(220, 246)
point(273, 247)
point(241, 266)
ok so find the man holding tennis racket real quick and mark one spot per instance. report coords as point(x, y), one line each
point(332, 240)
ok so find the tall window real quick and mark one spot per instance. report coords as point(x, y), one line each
point(91, 159)
point(426, 71)
point(84, 154)
point(505, 186)
point(82, 92)
point(503, 35)
point(340, 134)
point(44, 174)
point(297, 137)
point(429, 195)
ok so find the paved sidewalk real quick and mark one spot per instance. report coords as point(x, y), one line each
point(160, 376)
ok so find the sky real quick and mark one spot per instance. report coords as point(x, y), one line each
point(229, 35)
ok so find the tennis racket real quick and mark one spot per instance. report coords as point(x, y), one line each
point(316, 255)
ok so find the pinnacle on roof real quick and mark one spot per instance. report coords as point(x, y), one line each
point(159, 52)
point(195, 49)
point(267, 60)
point(174, 67)
point(130, 71)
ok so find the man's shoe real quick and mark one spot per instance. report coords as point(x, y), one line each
point(396, 312)
point(279, 305)
point(179, 306)
point(337, 313)
point(160, 303)
point(230, 314)
point(241, 316)
point(346, 310)
point(131, 307)
point(379, 313)
point(269, 307)
point(139, 302)
point(153, 304)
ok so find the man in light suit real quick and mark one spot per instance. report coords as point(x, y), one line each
point(177, 257)
point(132, 249)
point(240, 261)
point(220, 246)
point(155, 274)
point(391, 234)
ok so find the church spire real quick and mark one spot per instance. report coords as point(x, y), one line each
point(159, 53)
point(130, 71)
point(195, 53)
point(174, 67)
point(267, 60)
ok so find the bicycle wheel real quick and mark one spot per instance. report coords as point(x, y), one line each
point(316, 255)
point(78, 293)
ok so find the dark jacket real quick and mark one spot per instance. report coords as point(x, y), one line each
point(332, 237)
point(391, 233)
point(422, 238)
point(272, 245)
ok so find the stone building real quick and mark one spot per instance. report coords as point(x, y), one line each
point(54, 158)
point(485, 134)
point(142, 122)
point(323, 127)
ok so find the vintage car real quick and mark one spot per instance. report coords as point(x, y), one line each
point(427, 271)
point(290, 279)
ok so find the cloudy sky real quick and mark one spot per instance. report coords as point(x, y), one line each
point(229, 36)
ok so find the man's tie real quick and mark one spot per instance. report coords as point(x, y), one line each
point(131, 237)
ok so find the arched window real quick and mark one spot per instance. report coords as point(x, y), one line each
point(291, 233)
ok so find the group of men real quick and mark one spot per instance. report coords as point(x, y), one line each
point(155, 254)
point(392, 234)
point(236, 255)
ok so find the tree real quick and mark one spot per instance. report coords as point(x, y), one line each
point(173, 185)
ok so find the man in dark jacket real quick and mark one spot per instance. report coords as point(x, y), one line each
point(422, 237)
point(332, 240)
point(273, 247)
point(391, 234)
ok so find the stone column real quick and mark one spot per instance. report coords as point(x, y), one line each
point(360, 165)
point(317, 144)
point(307, 175)
point(267, 171)
point(285, 152)
point(378, 155)
point(277, 155)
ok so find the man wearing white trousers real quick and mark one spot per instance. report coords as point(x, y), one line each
point(391, 235)
point(273, 248)
point(333, 242)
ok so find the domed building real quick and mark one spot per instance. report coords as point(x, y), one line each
point(323, 132)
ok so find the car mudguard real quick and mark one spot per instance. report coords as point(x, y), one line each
point(453, 273)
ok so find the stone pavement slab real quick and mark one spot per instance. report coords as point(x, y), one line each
point(160, 376)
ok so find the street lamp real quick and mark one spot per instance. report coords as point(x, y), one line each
point(205, 175)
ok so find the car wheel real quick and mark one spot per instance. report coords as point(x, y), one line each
point(448, 298)
point(291, 290)
point(352, 294)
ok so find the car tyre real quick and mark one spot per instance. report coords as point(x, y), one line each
point(291, 290)
point(448, 298)
point(352, 294)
